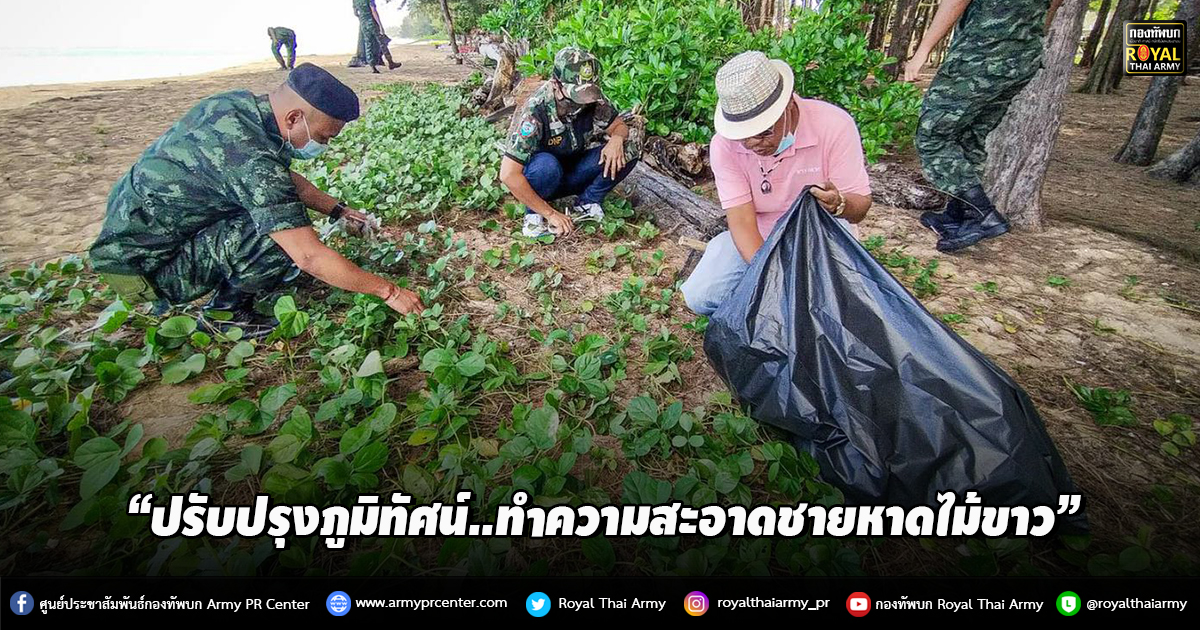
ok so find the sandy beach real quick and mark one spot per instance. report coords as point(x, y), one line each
point(68, 143)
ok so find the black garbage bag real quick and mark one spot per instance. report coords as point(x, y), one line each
point(820, 340)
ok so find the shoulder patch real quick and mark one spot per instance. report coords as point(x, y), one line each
point(526, 128)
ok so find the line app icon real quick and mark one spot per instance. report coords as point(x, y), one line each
point(858, 604)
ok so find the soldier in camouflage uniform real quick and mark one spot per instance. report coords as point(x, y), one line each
point(368, 33)
point(996, 51)
point(568, 139)
point(281, 37)
point(213, 204)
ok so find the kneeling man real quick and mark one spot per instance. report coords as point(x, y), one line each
point(547, 155)
point(213, 204)
point(769, 145)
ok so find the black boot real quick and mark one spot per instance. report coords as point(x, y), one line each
point(946, 221)
point(240, 306)
point(982, 221)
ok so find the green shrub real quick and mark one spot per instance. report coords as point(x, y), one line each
point(663, 55)
point(412, 154)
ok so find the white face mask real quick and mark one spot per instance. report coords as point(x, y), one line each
point(311, 149)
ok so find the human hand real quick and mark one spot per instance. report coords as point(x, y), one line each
point(404, 301)
point(612, 156)
point(560, 224)
point(912, 69)
point(828, 196)
point(358, 223)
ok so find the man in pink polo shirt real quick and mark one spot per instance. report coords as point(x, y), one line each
point(770, 144)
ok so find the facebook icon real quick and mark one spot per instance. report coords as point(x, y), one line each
point(21, 603)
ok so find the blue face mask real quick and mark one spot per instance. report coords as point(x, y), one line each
point(786, 143)
point(311, 149)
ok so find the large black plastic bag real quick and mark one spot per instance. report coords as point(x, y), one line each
point(820, 340)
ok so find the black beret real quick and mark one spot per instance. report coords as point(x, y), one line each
point(324, 92)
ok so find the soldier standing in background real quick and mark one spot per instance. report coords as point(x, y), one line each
point(282, 36)
point(368, 31)
point(997, 48)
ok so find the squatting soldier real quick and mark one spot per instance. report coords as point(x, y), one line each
point(213, 204)
point(997, 48)
point(282, 37)
point(557, 147)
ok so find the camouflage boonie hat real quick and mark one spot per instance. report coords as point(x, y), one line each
point(578, 70)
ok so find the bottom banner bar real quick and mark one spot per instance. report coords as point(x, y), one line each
point(633, 599)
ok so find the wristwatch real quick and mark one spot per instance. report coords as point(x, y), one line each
point(337, 211)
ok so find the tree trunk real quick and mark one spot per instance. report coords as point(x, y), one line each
point(1019, 149)
point(883, 13)
point(503, 80)
point(450, 26)
point(1153, 8)
point(1181, 166)
point(1112, 51)
point(673, 206)
point(1093, 40)
point(1156, 106)
point(1118, 68)
point(902, 30)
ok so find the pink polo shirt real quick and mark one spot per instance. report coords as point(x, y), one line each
point(827, 148)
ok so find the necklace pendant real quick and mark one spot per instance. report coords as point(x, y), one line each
point(765, 187)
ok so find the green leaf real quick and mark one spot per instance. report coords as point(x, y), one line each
point(381, 419)
point(470, 364)
point(436, 358)
point(371, 366)
point(94, 479)
point(526, 476)
point(285, 448)
point(239, 353)
point(371, 458)
point(132, 438)
point(177, 327)
point(643, 410)
point(354, 439)
point(600, 552)
point(96, 452)
point(542, 427)
point(180, 371)
point(1134, 560)
point(214, 393)
point(423, 435)
point(274, 398)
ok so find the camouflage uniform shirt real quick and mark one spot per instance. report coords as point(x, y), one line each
point(545, 125)
point(224, 159)
point(283, 35)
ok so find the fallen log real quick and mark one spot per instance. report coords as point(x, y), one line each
point(674, 208)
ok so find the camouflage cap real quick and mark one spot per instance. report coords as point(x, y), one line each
point(578, 70)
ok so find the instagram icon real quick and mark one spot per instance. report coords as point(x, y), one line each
point(696, 603)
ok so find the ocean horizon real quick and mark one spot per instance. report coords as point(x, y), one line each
point(21, 67)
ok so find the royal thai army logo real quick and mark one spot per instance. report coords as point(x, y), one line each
point(1155, 47)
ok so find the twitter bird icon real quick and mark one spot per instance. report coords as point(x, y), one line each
point(538, 604)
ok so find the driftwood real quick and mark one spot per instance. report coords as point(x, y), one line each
point(504, 79)
point(674, 207)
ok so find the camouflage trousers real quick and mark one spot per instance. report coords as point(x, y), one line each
point(962, 106)
point(290, 45)
point(229, 252)
point(368, 35)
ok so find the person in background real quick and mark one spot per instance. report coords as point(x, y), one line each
point(547, 155)
point(214, 206)
point(368, 33)
point(769, 145)
point(997, 48)
point(383, 40)
point(280, 37)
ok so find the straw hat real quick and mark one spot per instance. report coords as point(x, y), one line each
point(752, 92)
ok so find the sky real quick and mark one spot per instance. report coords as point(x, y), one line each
point(42, 41)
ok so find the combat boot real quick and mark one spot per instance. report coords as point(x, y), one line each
point(240, 305)
point(981, 221)
point(947, 221)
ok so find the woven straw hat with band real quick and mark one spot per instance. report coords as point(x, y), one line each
point(752, 92)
